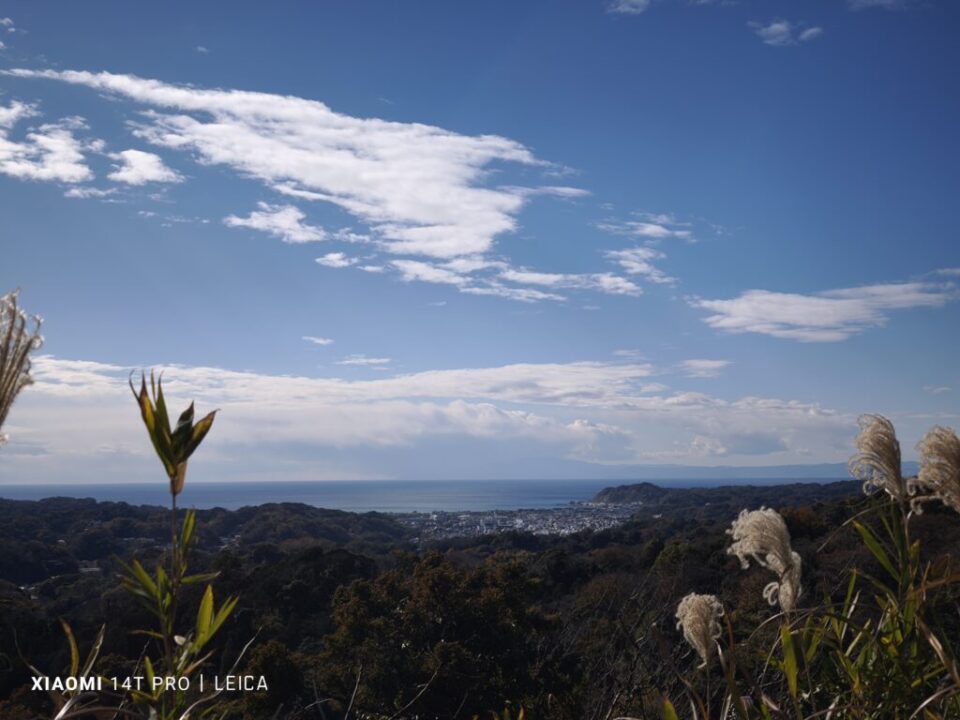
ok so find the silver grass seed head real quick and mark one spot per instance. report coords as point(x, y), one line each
point(17, 341)
point(699, 618)
point(939, 476)
point(877, 460)
point(762, 535)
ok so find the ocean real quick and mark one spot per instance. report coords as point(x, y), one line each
point(395, 496)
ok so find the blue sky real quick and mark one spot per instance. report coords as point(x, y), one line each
point(452, 240)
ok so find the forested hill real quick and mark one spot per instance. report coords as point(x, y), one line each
point(657, 499)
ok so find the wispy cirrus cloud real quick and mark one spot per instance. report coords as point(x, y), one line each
point(604, 282)
point(85, 192)
point(827, 316)
point(7, 24)
point(649, 227)
point(137, 167)
point(639, 261)
point(417, 186)
point(314, 340)
point(364, 360)
point(629, 7)
point(502, 279)
point(703, 368)
point(784, 33)
point(422, 192)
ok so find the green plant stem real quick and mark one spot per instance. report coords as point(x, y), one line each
point(169, 641)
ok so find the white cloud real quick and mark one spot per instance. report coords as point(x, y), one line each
point(282, 221)
point(638, 261)
point(411, 270)
point(418, 187)
point(521, 294)
point(139, 168)
point(783, 33)
point(202, 49)
point(89, 192)
point(48, 153)
point(568, 193)
point(420, 190)
point(613, 284)
point(603, 282)
point(828, 316)
point(607, 413)
point(336, 260)
point(457, 273)
point(937, 389)
point(317, 340)
point(629, 7)
point(810, 34)
point(949, 272)
point(703, 368)
point(363, 360)
point(649, 230)
point(473, 263)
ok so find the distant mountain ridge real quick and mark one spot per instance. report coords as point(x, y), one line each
point(656, 498)
point(821, 471)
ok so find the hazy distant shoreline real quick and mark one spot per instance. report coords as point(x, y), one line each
point(389, 496)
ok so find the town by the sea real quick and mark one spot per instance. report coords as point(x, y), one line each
point(439, 509)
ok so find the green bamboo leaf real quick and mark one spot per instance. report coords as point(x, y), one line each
point(876, 548)
point(74, 650)
point(159, 436)
point(144, 578)
point(182, 433)
point(199, 432)
point(148, 633)
point(199, 578)
point(148, 667)
point(222, 614)
point(146, 407)
point(162, 418)
point(94, 652)
point(789, 660)
point(669, 711)
point(813, 645)
point(189, 524)
point(205, 616)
